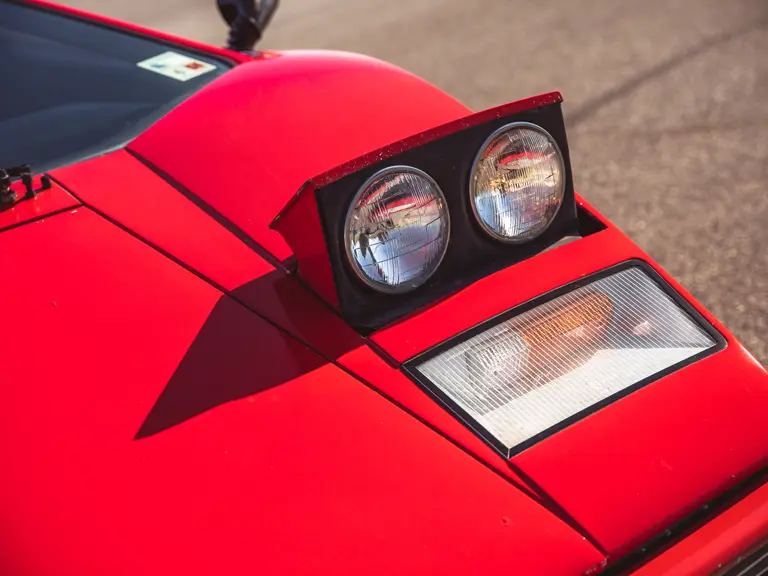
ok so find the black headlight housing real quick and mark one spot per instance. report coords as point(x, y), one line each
point(446, 154)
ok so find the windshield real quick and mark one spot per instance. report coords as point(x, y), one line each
point(72, 89)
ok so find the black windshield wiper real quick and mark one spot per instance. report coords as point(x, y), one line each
point(8, 196)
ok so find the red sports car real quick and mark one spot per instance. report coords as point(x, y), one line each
point(301, 312)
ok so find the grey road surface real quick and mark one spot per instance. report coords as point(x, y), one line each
point(666, 103)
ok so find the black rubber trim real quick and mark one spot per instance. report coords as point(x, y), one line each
point(587, 222)
point(751, 563)
point(411, 366)
point(229, 62)
point(686, 526)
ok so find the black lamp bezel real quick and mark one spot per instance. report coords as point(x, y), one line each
point(411, 367)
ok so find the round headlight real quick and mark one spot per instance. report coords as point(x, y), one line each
point(517, 182)
point(397, 228)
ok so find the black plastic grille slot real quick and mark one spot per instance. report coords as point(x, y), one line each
point(753, 563)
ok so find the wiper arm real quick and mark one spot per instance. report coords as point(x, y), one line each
point(8, 196)
point(247, 20)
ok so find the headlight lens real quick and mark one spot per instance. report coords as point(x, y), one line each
point(397, 229)
point(517, 182)
point(536, 370)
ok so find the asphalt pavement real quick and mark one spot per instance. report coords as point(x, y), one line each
point(666, 103)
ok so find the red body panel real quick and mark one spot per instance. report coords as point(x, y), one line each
point(628, 471)
point(274, 461)
point(610, 471)
point(370, 367)
point(268, 126)
point(726, 537)
point(279, 298)
point(46, 203)
point(163, 420)
point(126, 191)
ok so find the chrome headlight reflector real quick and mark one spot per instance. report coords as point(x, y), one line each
point(397, 228)
point(517, 182)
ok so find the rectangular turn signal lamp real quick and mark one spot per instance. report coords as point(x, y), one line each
point(542, 366)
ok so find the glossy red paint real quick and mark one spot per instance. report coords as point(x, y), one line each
point(268, 126)
point(300, 469)
point(283, 300)
point(236, 57)
point(152, 424)
point(436, 133)
point(717, 543)
point(610, 470)
point(629, 470)
point(623, 450)
point(47, 202)
point(369, 367)
point(299, 221)
point(300, 226)
point(128, 192)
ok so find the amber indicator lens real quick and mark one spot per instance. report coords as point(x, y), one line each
point(517, 183)
point(397, 229)
point(535, 370)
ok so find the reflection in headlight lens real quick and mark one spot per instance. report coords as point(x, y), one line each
point(517, 183)
point(397, 229)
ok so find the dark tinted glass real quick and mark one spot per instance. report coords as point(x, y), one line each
point(71, 89)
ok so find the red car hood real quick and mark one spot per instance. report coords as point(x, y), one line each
point(261, 130)
point(154, 425)
point(624, 473)
point(146, 428)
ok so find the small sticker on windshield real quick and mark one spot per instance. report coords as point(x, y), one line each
point(176, 66)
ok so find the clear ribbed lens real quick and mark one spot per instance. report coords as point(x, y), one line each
point(517, 183)
point(397, 229)
point(535, 370)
